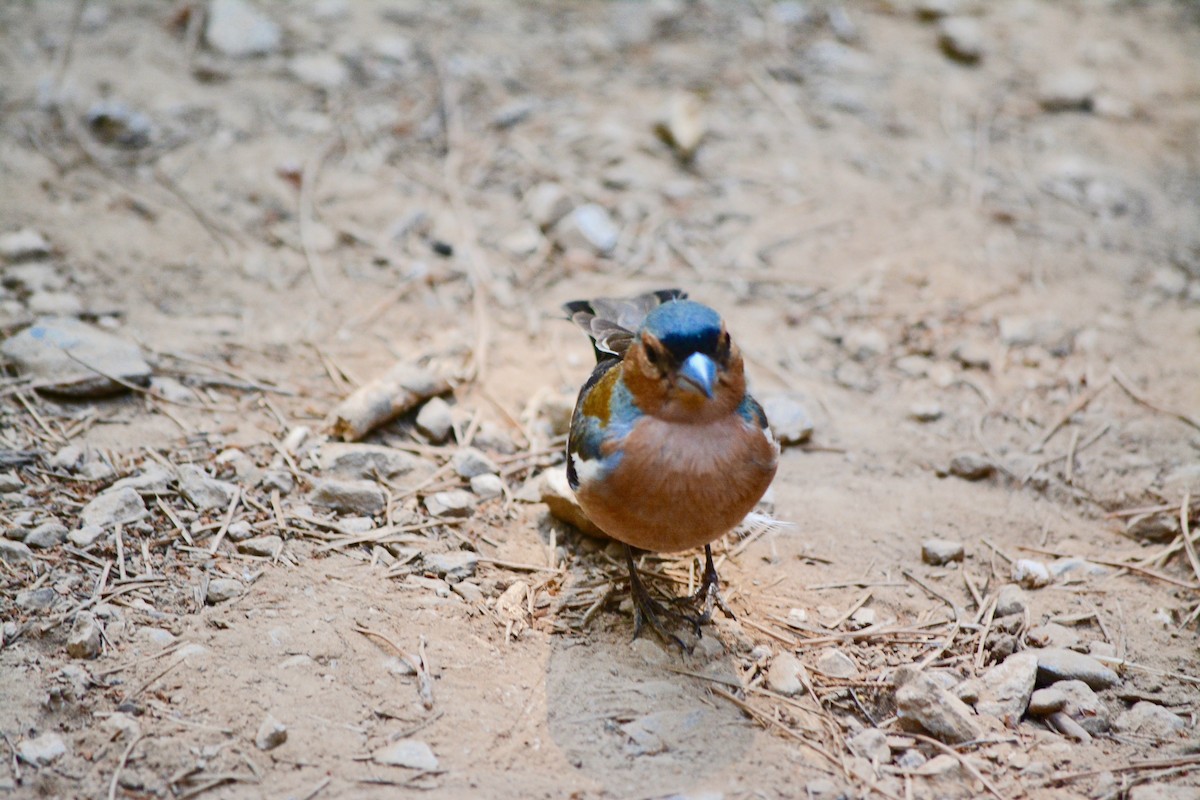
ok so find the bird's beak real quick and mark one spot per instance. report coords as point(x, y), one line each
point(698, 374)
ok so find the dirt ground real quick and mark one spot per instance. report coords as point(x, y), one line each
point(969, 246)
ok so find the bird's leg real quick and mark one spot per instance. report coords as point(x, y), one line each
point(648, 610)
point(709, 593)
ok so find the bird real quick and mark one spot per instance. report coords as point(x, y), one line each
point(667, 451)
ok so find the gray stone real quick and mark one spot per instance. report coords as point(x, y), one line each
point(172, 390)
point(487, 486)
point(784, 675)
point(1007, 687)
point(454, 565)
point(1068, 90)
point(1047, 701)
point(86, 637)
point(371, 462)
point(10, 482)
point(941, 551)
point(15, 552)
point(203, 491)
point(1052, 635)
point(408, 753)
point(222, 589)
point(1085, 707)
point(54, 304)
point(468, 591)
point(1010, 600)
point(152, 479)
point(1061, 566)
point(113, 507)
point(930, 10)
point(54, 351)
point(48, 534)
point(85, 536)
point(961, 38)
point(871, 744)
point(920, 700)
point(835, 663)
point(788, 418)
point(35, 600)
point(590, 227)
point(393, 47)
point(236, 28)
point(267, 546)
point(23, 245)
point(349, 497)
point(278, 480)
point(546, 204)
point(469, 462)
point(1030, 574)
point(319, 70)
point(925, 411)
point(42, 750)
point(971, 467)
point(271, 733)
point(1056, 664)
point(453, 503)
point(1150, 719)
point(67, 458)
point(435, 421)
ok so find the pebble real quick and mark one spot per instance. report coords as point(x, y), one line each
point(970, 467)
point(865, 343)
point(921, 700)
point(349, 497)
point(469, 462)
point(10, 482)
point(961, 39)
point(454, 566)
point(1010, 600)
point(266, 546)
point(941, 551)
point(589, 226)
point(222, 589)
point(393, 47)
point(1068, 90)
point(784, 675)
point(203, 491)
point(454, 503)
point(1007, 686)
point(85, 638)
point(42, 750)
point(932, 10)
point(153, 479)
point(972, 355)
point(67, 458)
point(238, 29)
point(159, 637)
point(468, 591)
point(40, 352)
point(556, 493)
point(34, 600)
point(54, 304)
point(1047, 701)
point(319, 70)
point(271, 733)
point(1052, 635)
point(367, 461)
point(85, 536)
point(23, 245)
point(1062, 566)
point(113, 507)
point(487, 486)
point(434, 420)
point(14, 552)
point(47, 535)
point(1085, 707)
point(789, 419)
point(172, 390)
point(925, 411)
point(1057, 664)
point(871, 744)
point(1149, 719)
point(546, 204)
point(1030, 574)
point(278, 480)
point(835, 663)
point(408, 753)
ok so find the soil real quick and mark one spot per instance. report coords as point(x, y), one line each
point(935, 257)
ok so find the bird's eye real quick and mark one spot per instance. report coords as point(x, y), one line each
point(726, 342)
point(652, 356)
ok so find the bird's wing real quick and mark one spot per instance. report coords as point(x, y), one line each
point(611, 322)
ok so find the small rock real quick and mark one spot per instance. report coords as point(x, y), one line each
point(469, 462)
point(271, 734)
point(47, 535)
point(266, 546)
point(85, 536)
point(371, 461)
point(239, 530)
point(961, 39)
point(970, 467)
point(408, 753)
point(453, 503)
point(85, 638)
point(204, 492)
point(113, 507)
point(788, 418)
point(1061, 566)
point(23, 245)
point(546, 204)
point(1150, 719)
point(434, 420)
point(1047, 701)
point(349, 497)
point(911, 759)
point(15, 552)
point(278, 480)
point(1055, 664)
point(1010, 600)
point(153, 479)
point(871, 744)
point(43, 750)
point(865, 343)
point(487, 486)
point(835, 663)
point(172, 390)
point(684, 126)
point(968, 691)
point(921, 701)
point(925, 411)
point(941, 551)
point(1030, 574)
point(319, 70)
point(1007, 687)
point(41, 352)
point(1085, 707)
point(588, 226)
point(54, 304)
point(784, 675)
point(222, 589)
point(238, 29)
point(1052, 635)
point(67, 458)
point(393, 47)
point(10, 482)
point(468, 591)
point(454, 566)
point(556, 493)
point(933, 10)
point(973, 355)
point(122, 726)
point(159, 637)
point(1069, 90)
point(36, 600)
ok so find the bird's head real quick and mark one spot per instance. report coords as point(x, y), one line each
point(683, 366)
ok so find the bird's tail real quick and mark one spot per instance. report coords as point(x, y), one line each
point(611, 322)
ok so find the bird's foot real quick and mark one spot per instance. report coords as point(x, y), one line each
point(662, 619)
point(709, 593)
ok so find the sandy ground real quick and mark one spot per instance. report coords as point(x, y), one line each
point(937, 258)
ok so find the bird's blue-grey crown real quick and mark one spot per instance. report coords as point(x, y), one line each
point(685, 327)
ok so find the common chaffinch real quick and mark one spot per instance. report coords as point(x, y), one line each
point(667, 450)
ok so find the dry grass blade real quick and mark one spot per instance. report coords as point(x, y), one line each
point(1188, 544)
